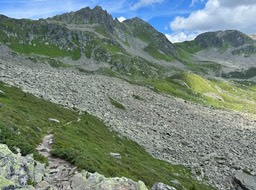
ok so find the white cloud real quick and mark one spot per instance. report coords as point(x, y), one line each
point(180, 37)
point(219, 15)
point(235, 3)
point(121, 19)
point(145, 3)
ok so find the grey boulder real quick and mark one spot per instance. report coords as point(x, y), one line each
point(247, 182)
point(162, 186)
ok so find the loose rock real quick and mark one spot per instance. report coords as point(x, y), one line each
point(247, 182)
point(115, 155)
point(2, 93)
point(162, 186)
point(95, 181)
point(53, 120)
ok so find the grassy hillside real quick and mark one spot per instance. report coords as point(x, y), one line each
point(86, 143)
point(220, 94)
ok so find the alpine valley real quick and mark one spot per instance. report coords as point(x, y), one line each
point(88, 102)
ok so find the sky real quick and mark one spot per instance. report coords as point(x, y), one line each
point(179, 20)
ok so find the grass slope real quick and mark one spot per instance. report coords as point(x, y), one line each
point(220, 94)
point(87, 143)
point(46, 50)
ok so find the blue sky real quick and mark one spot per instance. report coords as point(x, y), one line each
point(179, 20)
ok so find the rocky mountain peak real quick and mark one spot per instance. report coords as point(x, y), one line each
point(3, 16)
point(138, 22)
point(147, 33)
point(87, 16)
point(221, 38)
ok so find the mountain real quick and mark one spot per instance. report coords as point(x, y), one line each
point(134, 27)
point(91, 34)
point(132, 48)
point(233, 40)
point(88, 16)
point(155, 40)
point(93, 41)
point(131, 28)
point(220, 39)
point(233, 52)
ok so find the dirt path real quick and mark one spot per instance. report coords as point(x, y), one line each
point(60, 171)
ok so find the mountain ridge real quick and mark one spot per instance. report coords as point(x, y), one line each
point(87, 16)
point(157, 43)
point(92, 35)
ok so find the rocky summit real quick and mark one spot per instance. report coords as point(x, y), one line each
point(190, 104)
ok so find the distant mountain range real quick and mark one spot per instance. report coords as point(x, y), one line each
point(130, 48)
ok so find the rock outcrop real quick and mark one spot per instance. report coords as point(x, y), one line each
point(24, 173)
point(16, 171)
point(245, 181)
point(89, 181)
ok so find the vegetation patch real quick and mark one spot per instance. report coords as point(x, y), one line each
point(246, 74)
point(51, 61)
point(112, 48)
point(203, 67)
point(224, 47)
point(116, 104)
point(137, 97)
point(42, 49)
point(157, 55)
point(189, 46)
